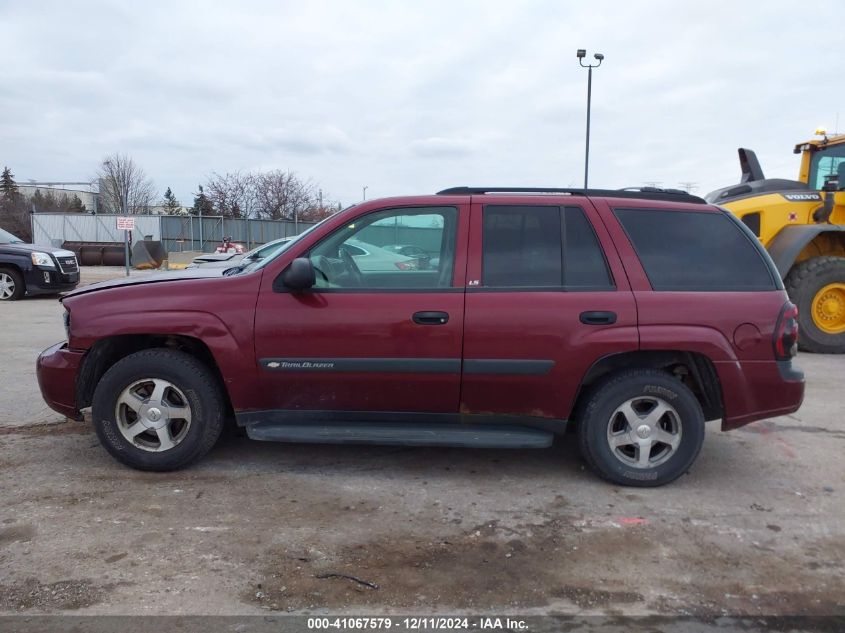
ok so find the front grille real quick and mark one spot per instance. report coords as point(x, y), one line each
point(68, 264)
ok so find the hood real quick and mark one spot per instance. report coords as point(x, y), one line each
point(152, 278)
point(34, 248)
point(217, 257)
point(226, 263)
point(754, 188)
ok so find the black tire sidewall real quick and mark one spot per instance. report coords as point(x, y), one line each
point(20, 287)
point(808, 281)
point(186, 373)
point(646, 384)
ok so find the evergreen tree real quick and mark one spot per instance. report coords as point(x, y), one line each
point(171, 204)
point(14, 212)
point(8, 187)
point(202, 205)
point(75, 205)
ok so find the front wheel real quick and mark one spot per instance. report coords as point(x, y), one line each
point(11, 285)
point(641, 427)
point(158, 409)
point(817, 287)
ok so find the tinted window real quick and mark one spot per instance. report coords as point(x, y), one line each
point(522, 248)
point(363, 254)
point(683, 250)
point(584, 263)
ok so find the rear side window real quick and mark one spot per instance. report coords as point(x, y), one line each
point(688, 250)
point(541, 247)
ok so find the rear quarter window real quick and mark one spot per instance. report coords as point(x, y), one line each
point(691, 250)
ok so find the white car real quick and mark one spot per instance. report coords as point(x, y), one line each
point(227, 260)
point(371, 258)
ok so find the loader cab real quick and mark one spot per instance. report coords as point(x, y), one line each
point(820, 159)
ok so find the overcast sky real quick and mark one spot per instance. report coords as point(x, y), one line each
point(412, 97)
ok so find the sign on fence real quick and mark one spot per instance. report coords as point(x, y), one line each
point(125, 224)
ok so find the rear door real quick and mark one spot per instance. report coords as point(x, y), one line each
point(546, 298)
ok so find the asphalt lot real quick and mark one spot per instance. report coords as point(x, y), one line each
point(757, 527)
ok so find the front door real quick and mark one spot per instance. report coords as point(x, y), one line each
point(380, 331)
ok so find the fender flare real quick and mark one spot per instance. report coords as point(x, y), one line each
point(18, 260)
point(791, 240)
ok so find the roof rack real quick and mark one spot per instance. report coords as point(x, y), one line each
point(642, 193)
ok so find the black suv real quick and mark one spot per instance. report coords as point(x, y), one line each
point(34, 270)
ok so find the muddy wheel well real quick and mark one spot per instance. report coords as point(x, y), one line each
point(696, 371)
point(106, 352)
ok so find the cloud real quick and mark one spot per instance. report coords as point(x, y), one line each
point(436, 147)
point(409, 97)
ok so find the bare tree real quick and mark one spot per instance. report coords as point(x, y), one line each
point(122, 178)
point(319, 209)
point(232, 194)
point(281, 195)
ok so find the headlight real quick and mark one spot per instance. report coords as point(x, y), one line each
point(42, 259)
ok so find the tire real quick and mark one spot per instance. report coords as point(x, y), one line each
point(193, 397)
point(12, 286)
point(604, 422)
point(803, 283)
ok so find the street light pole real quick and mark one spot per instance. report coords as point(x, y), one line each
point(364, 193)
point(581, 54)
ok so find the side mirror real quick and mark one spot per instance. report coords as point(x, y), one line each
point(299, 275)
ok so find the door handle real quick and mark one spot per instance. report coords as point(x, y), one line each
point(431, 318)
point(598, 317)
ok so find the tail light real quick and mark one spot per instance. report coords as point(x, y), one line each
point(786, 332)
point(409, 265)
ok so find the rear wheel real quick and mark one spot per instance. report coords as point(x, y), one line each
point(11, 284)
point(641, 427)
point(817, 287)
point(158, 409)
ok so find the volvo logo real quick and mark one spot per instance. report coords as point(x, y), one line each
point(796, 197)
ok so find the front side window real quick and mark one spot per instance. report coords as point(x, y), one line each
point(541, 247)
point(691, 250)
point(411, 248)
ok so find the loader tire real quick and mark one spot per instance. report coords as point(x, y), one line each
point(817, 287)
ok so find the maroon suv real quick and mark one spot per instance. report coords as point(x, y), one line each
point(629, 316)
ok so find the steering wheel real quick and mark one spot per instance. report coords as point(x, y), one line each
point(351, 268)
point(321, 264)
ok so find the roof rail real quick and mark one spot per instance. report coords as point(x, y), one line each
point(642, 193)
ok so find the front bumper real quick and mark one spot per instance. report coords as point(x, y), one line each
point(44, 281)
point(57, 368)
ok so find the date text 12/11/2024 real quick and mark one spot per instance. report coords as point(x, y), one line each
point(422, 623)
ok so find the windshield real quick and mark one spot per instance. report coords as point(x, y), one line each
point(825, 163)
point(8, 238)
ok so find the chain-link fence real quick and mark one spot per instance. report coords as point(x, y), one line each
point(177, 233)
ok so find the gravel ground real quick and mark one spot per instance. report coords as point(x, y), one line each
point(755, 528)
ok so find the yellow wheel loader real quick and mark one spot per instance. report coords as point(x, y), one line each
point(802, 225)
